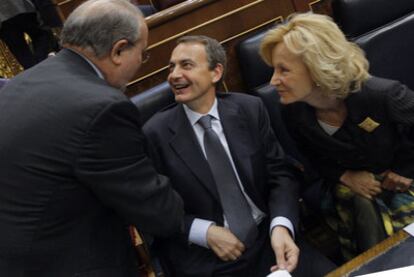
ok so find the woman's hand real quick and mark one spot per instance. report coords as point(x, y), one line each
point(395, 182)
point(362, 183)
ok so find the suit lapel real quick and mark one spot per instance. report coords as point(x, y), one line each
point(186, 146)
point(239, 139)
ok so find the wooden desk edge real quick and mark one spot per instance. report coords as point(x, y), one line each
point(369, 255)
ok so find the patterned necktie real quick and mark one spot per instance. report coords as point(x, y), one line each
point(235, 207)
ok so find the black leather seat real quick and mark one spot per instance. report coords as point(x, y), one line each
point(254, 71)
point(358, 17)
point(256, 75)
point(147, 10)
point(385, 30)
point(152, 100)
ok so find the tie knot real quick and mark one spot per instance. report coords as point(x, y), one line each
point(205, 122)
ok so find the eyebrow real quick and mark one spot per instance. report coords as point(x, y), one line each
point(183, 61)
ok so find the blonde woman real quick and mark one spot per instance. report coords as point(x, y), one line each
point(354, 128)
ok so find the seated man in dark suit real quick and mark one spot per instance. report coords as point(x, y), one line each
point(223, 158)
point(74, 172)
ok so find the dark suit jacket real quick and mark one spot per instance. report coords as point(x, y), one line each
point(389, 146)
point(257, 156)
point(74, 174)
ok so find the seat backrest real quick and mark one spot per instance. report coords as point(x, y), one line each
point(163, 4)
point(147, 9)
point(256, 76)
point(152, 100)
point(385, 30)
point(390, 50)
point(357, 17)
point(255, 72)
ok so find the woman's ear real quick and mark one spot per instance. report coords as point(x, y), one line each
point(117, 51)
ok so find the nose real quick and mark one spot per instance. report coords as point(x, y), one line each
point(275, 80)
point(175, 73)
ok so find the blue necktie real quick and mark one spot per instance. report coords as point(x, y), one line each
point(235, 207)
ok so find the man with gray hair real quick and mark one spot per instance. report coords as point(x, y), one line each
point(74, 173)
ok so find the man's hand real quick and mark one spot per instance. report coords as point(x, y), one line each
point(286, 251)
point(395, 182)
point(224, 244)
point(362, 183)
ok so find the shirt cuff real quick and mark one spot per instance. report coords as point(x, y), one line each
point(198, 231)
point(282, 221)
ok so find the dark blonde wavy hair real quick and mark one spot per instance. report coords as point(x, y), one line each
point(336, 65)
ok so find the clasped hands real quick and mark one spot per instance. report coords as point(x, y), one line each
point(365, 184)
point(229, 248)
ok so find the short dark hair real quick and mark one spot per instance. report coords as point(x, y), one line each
point(214, 50)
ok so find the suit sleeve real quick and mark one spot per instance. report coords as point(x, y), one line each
point(283, 200)
point(154, 153)
point(113, 164)
point(400, 107)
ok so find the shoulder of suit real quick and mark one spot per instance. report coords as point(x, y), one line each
point(163, 115)
point(238, 97)
point(379, 85)
point(373, 93)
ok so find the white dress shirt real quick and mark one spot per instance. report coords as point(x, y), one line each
point(199, 227)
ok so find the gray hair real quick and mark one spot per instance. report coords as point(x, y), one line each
point(98, 24)
point(215, 52)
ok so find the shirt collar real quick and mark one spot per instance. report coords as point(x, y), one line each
point(193, 116)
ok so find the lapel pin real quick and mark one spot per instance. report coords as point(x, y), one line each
point(368, 124)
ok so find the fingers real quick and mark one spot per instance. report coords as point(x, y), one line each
point(370, 186)
point(370, 191)
point(388, 184)
point(396, 182)
point(225, 256)
point(362, 183)
point(227, 253)
point(292, 259)
point(403, 183)
point(286, 251)
point(280, 257)
point(274, 268)
point(374, 190)
point(224, 243)
point(287, 257)
point(364, 193)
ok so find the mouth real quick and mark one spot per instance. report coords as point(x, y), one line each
point(177, 87)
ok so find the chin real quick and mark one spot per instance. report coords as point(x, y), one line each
point(180, 99)
point(285, 100)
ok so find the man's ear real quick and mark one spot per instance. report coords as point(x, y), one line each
point(217, 72)
point(117, 51)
